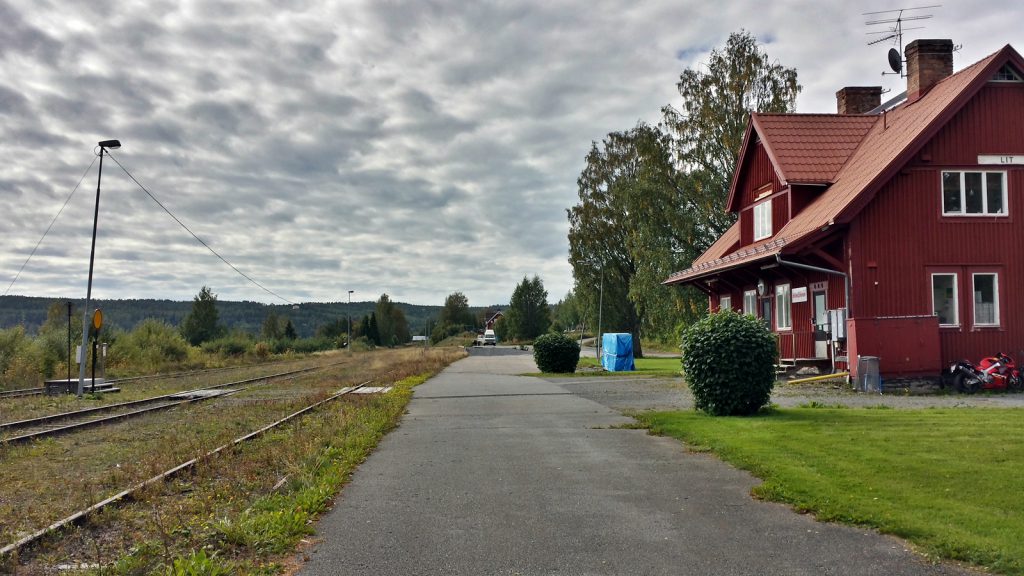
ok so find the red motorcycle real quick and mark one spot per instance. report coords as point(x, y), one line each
point(993, 373)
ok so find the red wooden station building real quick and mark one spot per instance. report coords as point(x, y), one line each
point(894, 231)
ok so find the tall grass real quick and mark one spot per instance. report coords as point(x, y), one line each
point(151, 347)
point(235, 512)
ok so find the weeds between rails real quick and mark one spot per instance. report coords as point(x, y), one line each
point(144, 378)
point(206, 507)
point(77, 420)
point(36, 406)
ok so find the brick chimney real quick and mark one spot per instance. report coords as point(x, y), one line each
point(928, 61)
point(858, 99)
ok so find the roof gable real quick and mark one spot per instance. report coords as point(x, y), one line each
point(889, 143)
point(892, 142)
point(803, 148)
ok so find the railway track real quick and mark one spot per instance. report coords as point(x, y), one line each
point(36, 428)
point(81, 515)
point(21, 392)
point(163, 376)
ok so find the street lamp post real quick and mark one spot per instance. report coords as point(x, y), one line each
point(348, 313)
point(104, 146)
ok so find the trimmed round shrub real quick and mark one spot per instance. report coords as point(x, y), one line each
point(729, 362)
point(556, 353)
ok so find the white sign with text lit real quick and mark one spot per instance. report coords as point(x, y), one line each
point(1000, 158)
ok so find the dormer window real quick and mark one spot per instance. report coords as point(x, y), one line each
point(1007, 74)
point(763, 220)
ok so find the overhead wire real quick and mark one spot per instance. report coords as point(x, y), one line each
point(48, 228)
point(198, 239)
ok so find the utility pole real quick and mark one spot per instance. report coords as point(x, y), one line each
point(348, 312)
point(113, 145)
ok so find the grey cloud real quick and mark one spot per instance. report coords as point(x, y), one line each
point(12, 103)
point(37, 138)
point(411, 147)
point(226, 117)
point(16, 32)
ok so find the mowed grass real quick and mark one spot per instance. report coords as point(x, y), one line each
point(645, 366)
point(948, 480)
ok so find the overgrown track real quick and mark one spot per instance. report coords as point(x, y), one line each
point(66, 422)
point(21, 392)
point(162, 376)
point(85, 513)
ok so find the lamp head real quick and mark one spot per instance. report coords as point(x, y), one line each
point(110, 144)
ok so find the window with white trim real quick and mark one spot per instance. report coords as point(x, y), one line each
point(944, 299)
point(725, 303)
point(763, 220)
point(750, 302)
point(783, 306)
point(986, 299)
point(974, 193)
point(1006, 74)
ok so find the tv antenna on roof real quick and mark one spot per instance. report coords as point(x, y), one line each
point(894, 31)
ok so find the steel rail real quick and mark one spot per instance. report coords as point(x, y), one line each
point(21, 392)
point(84, 513)
point(44, 420)
point(169, 375)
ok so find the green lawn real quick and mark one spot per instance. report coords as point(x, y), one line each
point(645, 366)
point(948, 480)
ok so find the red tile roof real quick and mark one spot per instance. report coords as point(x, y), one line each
point(888, 141)
point(811, 148)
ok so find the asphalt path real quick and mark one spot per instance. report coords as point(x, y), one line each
point(495, 473)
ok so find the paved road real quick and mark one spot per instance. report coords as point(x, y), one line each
point(493, 473)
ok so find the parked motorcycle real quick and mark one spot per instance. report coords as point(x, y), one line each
point(993, 373)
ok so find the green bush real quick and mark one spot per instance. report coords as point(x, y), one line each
point(227, 346)
point(153, 345)
point(261, 350)
point(362, 344)
point(556, 353)
point(729, 362)
point(315, 344)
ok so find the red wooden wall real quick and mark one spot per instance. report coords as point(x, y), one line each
point(757, 173)
point(901, 236)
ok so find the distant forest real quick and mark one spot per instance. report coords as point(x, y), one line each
point(30, 312)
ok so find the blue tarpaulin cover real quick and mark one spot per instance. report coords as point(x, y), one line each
point(617, 352)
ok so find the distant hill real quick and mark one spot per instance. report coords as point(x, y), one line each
point(30, 312)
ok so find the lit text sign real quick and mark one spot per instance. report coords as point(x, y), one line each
point(1000, 158)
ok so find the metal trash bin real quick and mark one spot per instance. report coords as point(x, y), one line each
point(868, 379)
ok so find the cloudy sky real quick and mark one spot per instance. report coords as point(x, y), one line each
point(415, 148)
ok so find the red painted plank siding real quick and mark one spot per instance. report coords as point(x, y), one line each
point(901, 236)
point(992, 123)
point(758, 173)
point(797, 342)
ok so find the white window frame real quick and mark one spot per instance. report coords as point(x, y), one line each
point(995, 299)
point(783, 307)
point(984, 194)
point(750, 302)
point(763, 220)
point(725, 302)
point(956, 298)
point(1006, 74)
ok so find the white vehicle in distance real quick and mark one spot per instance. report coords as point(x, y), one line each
point(489, 339)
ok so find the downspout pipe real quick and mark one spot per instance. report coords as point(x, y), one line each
point(846, 279)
